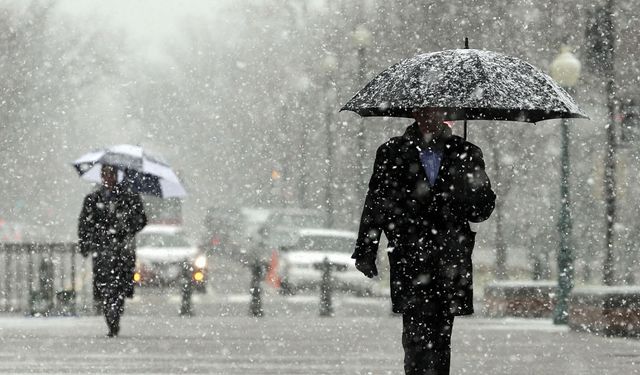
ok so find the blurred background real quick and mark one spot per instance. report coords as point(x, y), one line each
point(242, 99)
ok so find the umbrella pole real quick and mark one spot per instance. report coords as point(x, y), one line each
point(466, 46)
point(465, 130)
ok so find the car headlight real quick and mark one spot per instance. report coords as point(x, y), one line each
point(200, 262)
point(198, 276)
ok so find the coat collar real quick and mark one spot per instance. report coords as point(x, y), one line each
point(413, 136)
point(117, 191)
point(414, 142)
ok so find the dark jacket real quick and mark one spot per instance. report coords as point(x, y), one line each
point(106, 230)
point(427, 226)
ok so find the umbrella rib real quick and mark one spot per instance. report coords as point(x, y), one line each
point(483, 71)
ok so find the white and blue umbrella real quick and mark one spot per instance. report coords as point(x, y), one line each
point(145, 173)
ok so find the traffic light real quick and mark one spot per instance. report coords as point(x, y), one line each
point(275, 174)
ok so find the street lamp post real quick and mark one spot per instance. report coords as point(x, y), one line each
point(610, 186)
point(362, 38)
point(329, 65)
point(610, 163)
point(565, 69)
point(601, 37)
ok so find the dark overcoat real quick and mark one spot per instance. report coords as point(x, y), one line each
point(427, 226)
point(107, 227)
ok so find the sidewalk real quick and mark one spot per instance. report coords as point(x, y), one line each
point(363, 338)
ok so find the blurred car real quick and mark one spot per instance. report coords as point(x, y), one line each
point(281, 227)
point(164, 255)
point(254, 219)
point(228, 231)
point(301, 262)
point(223, 231)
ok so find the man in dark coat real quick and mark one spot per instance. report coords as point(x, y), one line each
point(110, 218)
point(426, 187)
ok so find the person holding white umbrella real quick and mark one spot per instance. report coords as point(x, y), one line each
point(110, 218)
point(113, 214)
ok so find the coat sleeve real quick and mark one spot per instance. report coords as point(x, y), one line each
point(86, 226)
point(480, 199)
point(373, 220)
point(134, 220)
point(137, 218)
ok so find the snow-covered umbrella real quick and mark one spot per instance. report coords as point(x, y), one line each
point(145, 173)
point(468, 84)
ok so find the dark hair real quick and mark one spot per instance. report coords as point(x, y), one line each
point(108, 168)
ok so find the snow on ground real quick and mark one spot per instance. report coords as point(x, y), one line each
point(362, 338)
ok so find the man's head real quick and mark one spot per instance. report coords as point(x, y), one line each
point(431, 122)
point(109, 176)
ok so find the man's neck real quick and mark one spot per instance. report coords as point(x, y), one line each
point(436, 144)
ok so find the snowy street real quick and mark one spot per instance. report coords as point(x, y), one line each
point(254, 187)
point(291, 339)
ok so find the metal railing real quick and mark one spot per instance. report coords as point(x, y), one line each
point(43, 279)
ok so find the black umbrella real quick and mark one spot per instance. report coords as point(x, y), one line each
point(468, 84)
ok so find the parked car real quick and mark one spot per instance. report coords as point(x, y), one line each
point(163, 252)
point(282, 226)
point(223, 231)
point(228, 230)
point(301, 262)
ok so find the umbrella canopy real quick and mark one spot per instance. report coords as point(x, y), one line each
point(145, 173)
point(468, 84)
